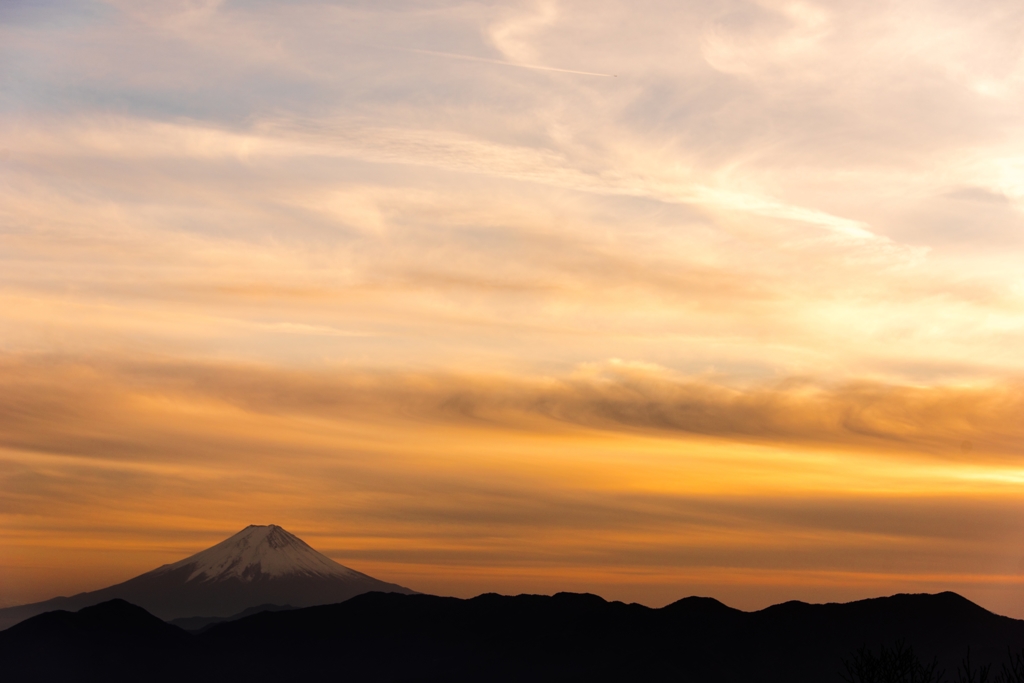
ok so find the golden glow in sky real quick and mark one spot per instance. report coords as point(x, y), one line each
point(648, 299)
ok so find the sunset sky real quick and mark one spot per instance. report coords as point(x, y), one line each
point(648, 299)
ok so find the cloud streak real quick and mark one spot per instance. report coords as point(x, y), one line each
point(471, 58)
point(944, 424)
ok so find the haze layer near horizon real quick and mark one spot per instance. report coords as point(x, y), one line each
point(646, 299)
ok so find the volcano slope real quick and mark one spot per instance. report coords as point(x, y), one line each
point(259, 565)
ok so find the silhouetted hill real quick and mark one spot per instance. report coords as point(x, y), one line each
point(113, 641)
point(565, 637)
point(200, 624)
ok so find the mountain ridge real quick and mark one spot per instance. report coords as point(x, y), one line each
point(378, 637)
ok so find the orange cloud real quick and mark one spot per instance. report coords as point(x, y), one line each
point(615, 477)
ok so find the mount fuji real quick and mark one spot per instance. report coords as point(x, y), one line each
point(260, 565)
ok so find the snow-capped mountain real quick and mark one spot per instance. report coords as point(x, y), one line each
point(257, 566)
point(256, 552)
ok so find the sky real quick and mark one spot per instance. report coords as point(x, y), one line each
point(648, 299)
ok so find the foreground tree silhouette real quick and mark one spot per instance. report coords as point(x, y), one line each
point(966, 673)
point(898, 664)
point(1014, 672)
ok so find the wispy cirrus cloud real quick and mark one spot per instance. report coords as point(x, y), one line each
point(256, 260)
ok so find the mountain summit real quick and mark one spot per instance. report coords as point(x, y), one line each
point(260, 565)
point(258, 552)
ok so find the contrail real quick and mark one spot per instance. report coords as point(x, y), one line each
point(470, 58)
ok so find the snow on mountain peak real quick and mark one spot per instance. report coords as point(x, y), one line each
point(258, 552)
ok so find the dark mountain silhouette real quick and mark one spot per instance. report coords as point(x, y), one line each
point(198, 624)
point(259, 565)
point(565, 637)
point(112, 641)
